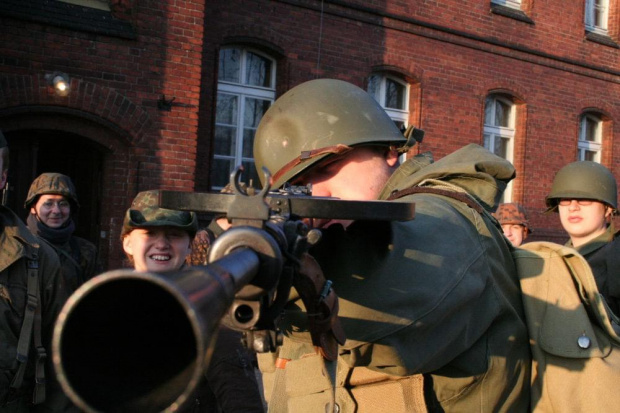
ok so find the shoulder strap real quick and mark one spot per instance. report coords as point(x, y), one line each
point(459, 196)
point(32, 322)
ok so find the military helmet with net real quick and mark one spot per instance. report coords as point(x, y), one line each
point(51, 183)
point(583, 180)
point(317, 119)
point(145, 213)
point(512, 213)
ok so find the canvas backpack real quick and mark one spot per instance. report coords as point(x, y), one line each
point(573, 335)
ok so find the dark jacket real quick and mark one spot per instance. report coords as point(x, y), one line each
point(230, 383)
point(17, 245)
point(603, 255)
point(79, 258)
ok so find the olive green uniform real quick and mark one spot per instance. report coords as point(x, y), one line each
point(18, 245)
point(437, 296)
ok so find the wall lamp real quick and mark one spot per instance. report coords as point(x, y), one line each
point(60, 82)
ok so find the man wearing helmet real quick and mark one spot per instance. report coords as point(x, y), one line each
point(584, 193)
point(431, 307)
point(512, 218)
point(53, 204)
point(32, 293)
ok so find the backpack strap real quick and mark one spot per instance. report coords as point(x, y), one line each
point(32, 322)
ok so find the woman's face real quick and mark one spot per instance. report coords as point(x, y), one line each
point(52, 210)
point(583, 219)
point(157, 249)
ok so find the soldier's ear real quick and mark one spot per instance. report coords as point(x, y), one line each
point(127, 246)
point(391, 156)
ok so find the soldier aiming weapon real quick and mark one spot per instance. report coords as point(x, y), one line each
point(129, 341)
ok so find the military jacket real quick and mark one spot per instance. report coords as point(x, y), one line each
point(81, 265)
point(437, 296)
point(603, 255)
point(17, 245)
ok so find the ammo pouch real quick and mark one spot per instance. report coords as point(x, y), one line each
point(313, 383)
point(575, 350)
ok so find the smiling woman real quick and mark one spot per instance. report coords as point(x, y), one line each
point(158, 240)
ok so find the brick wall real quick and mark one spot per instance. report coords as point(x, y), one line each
point(454, 53)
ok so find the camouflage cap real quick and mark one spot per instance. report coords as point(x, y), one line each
point(512, 213)
point(144, 213)
point(51, 183)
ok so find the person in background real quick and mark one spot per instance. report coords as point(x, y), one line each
point(159, 240)
point(53, 203)
point(585, 195)
point(32, 293)
point(513, 220)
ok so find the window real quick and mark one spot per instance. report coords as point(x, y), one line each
point(393, 96)
point(499, 131)
point(245, 90)
point(590, 138)
point(596, 15)
point(515, 4)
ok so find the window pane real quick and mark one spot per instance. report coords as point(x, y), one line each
point(230, 63)
point(373, 87)
point(258, 70)
point(488, 111)
point(254, 111)
point(497, 146)
point(220, 173)
point(394, 94)
point(503, 148)
point(225, 140)
point(226, 111)
point(590, 156)
point(248, 142)
point(591, 129)
point(487, 142)
point(502, 114)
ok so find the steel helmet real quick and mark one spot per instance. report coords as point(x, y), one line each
point(145, 213)
point(51, 183)
point(583, 180)
point(317, 119)
point(512, 213)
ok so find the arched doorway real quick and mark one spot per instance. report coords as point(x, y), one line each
point(35, 151)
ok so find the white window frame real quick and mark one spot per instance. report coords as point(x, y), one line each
point(244, 91)
point(584, 145)
point(504, 132)
point(397, 115)
point(513, 4)
point(593, 9)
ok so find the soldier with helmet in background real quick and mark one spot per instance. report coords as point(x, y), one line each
point(32, 293)
point(584, 193)
point(53, 203)
point(431, 307)
point(512, 218)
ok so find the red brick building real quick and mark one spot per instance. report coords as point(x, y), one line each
point(168, 94)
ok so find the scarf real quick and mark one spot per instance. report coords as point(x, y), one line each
point(57, 236)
